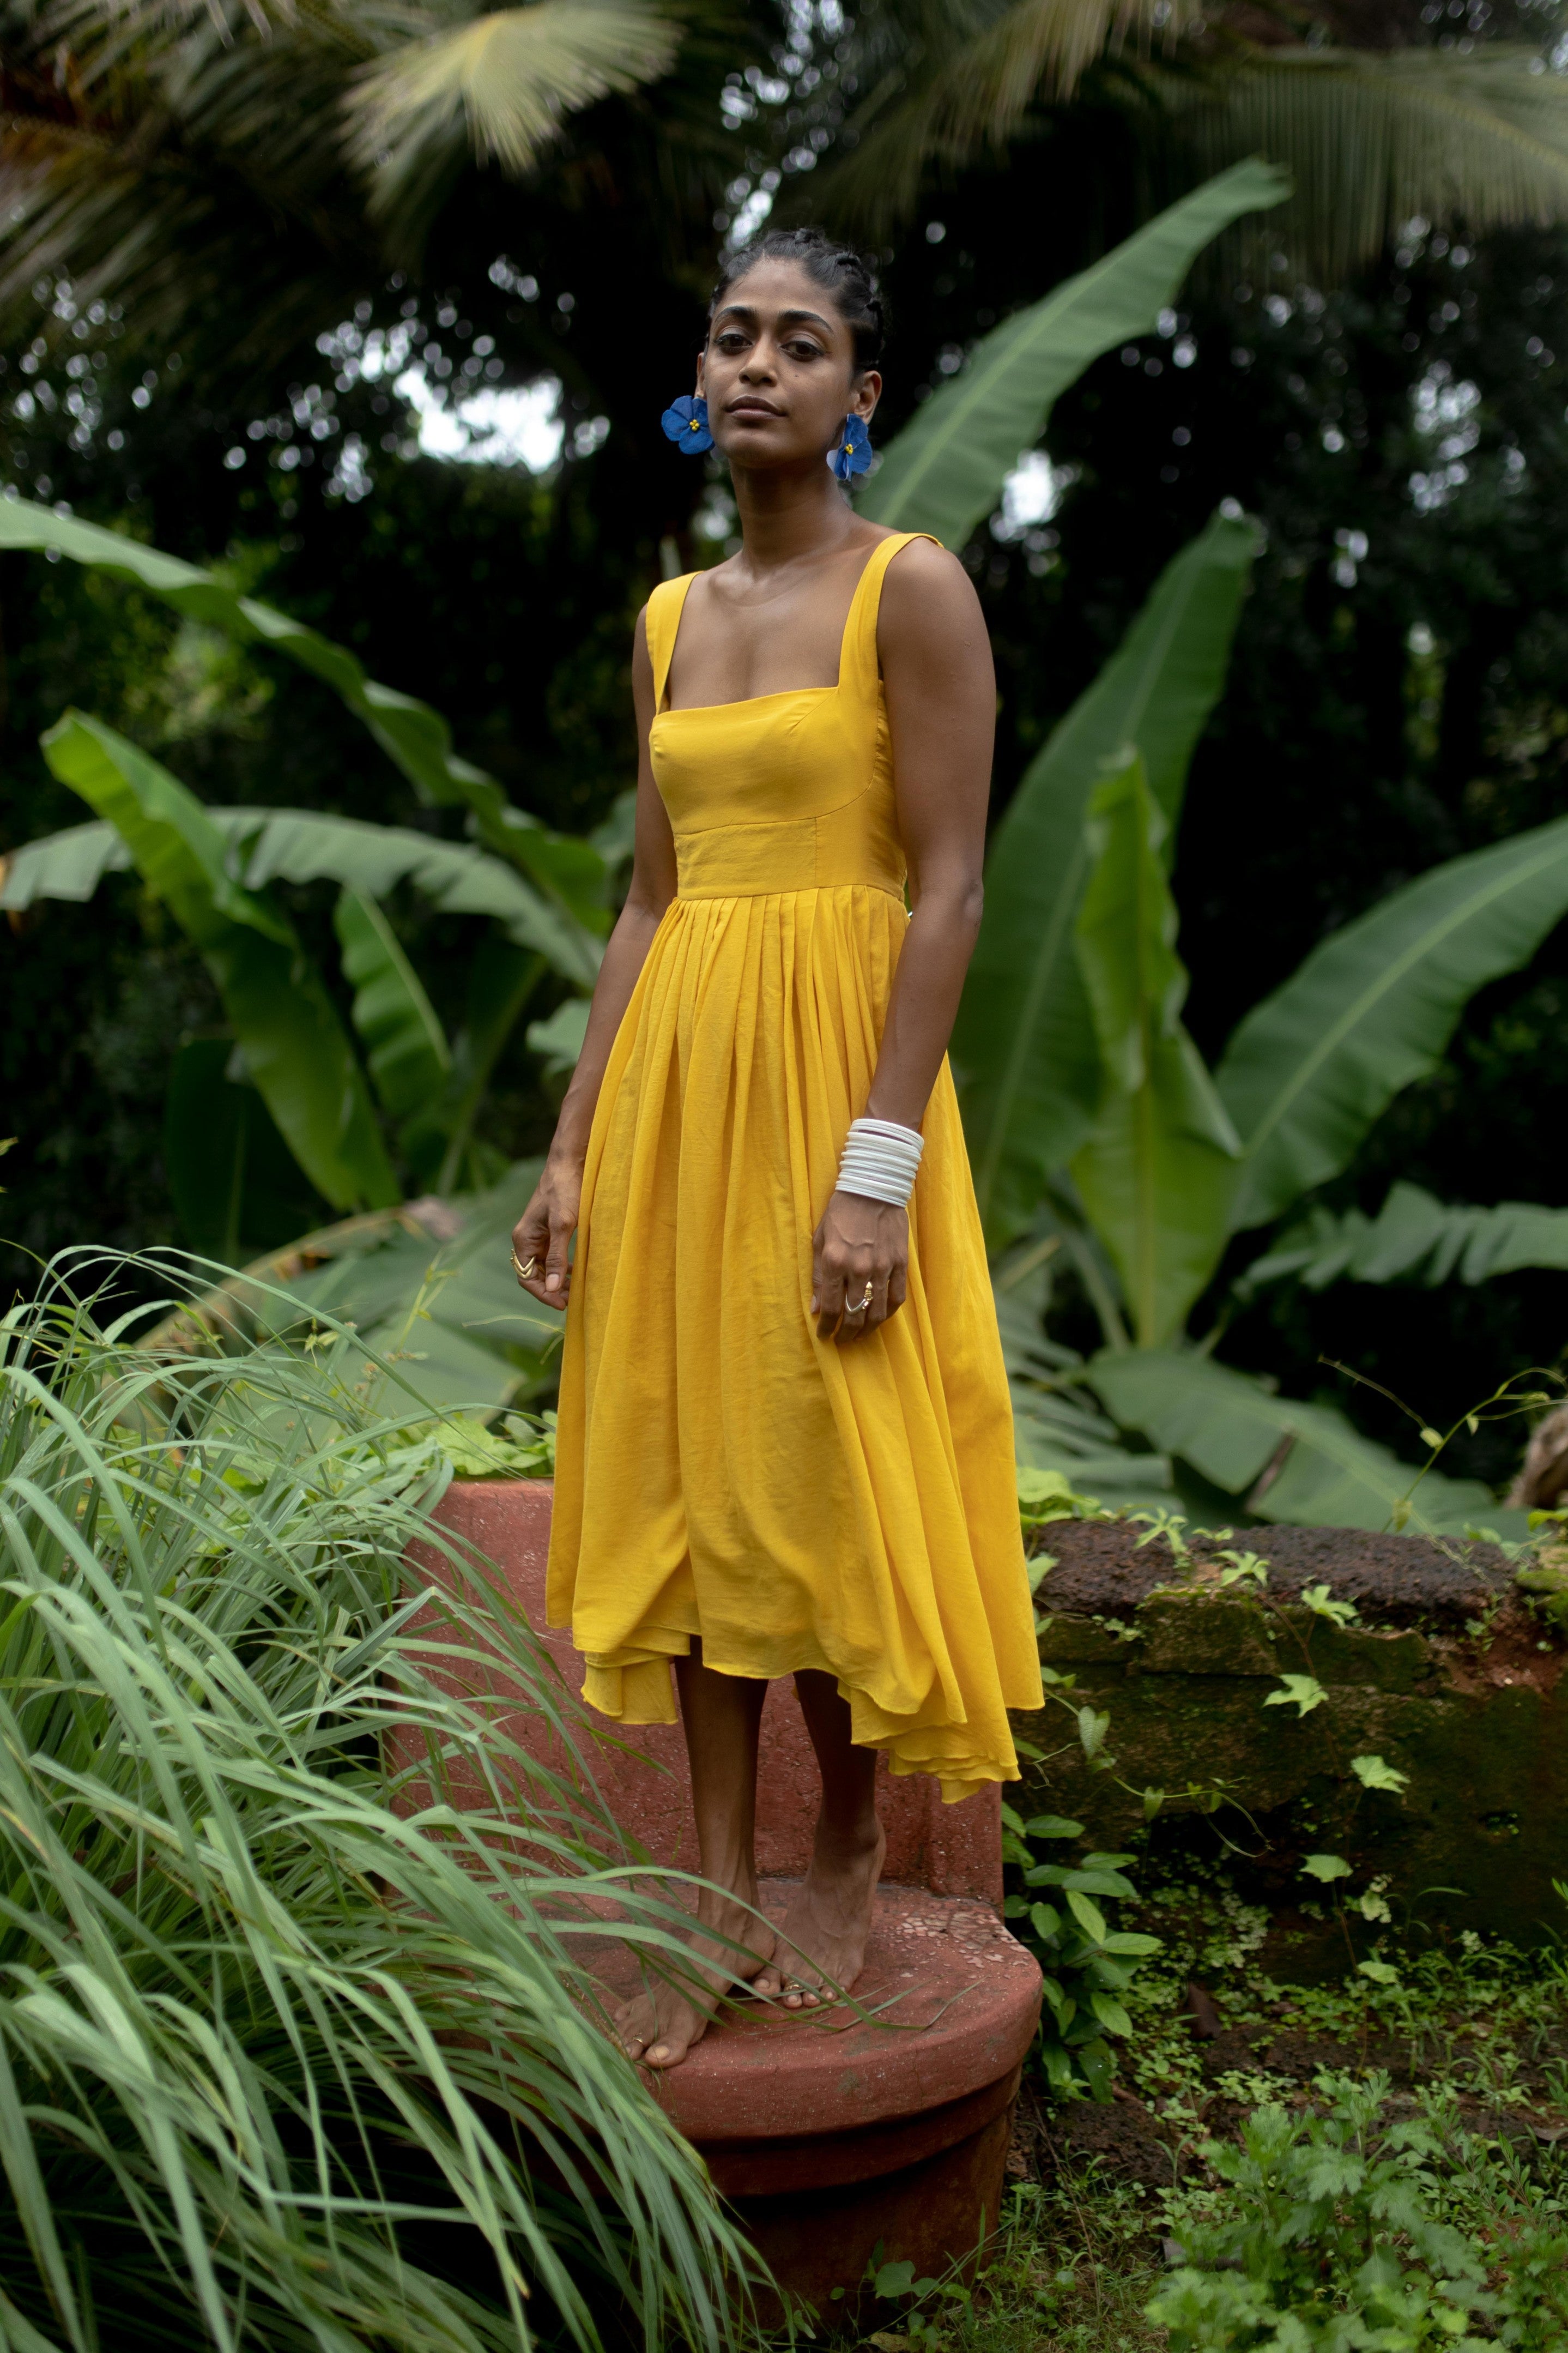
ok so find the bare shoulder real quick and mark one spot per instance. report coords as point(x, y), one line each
point(642, 670)
point(927, 594)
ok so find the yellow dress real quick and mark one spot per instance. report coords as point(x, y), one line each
point(722, 1471)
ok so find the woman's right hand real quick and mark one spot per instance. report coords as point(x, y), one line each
point(544, 1232)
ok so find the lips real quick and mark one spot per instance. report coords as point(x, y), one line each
point(752, 409)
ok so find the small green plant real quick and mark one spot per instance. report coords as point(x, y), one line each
point(515, 1446)
point(1088, 1965)
point(1336, 2231)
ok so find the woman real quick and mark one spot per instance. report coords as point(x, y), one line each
point(784, 1438)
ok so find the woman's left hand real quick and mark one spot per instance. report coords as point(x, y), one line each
point(861, 1246)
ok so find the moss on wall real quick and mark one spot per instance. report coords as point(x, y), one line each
point(1446, 1672)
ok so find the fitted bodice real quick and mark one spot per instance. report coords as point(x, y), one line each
point(780, 792)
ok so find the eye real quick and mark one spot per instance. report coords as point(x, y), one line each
point(731, 340)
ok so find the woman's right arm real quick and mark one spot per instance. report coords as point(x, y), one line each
point(544, 1230)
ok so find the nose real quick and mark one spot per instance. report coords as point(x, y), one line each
point(760, 364)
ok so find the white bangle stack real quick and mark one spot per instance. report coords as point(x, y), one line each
point(880, 1161)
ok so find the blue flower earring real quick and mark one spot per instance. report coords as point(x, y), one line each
point(685, 422)
point(851, 454)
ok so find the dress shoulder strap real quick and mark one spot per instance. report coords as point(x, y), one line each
point(858, 665)
point(665, 606)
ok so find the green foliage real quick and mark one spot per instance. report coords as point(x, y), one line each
point(1376, 137)
point(289, 1041)
point(1303, 1692)
point(1157, 1170)
point(232, 1178)
point(1328, 2232)
point(1370, 1011)
point(406, 1048)
point(294, 2052)
point(1163, 1175)
point(428, 1288)
point(225, 146)
point(1376, 123)
point(1288, 1460)
point(943, 473)
point(519, 1446)
point(283, 1020)
point(415, 737)
point(1023, 1045)
point(1415, 1237)
point(1087, 1964)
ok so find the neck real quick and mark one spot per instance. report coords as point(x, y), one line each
point(786, 514)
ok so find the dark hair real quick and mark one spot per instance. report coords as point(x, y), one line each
point(847, 276)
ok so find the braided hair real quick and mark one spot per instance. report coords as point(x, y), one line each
point(848, 278)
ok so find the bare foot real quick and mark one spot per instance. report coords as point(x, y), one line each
point(658, 2028)
point(825, 1931)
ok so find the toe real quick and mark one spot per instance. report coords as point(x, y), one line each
point(664, 2054)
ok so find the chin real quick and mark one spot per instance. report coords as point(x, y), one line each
point(762, 450)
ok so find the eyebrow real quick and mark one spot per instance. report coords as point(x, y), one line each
point(786, 318)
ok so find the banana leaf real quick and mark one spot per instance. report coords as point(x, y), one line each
point(236, 1185)
point(1282, 1460)
point(68, 865)
point(1371, 1008)
point(1057, 1424)
point(415, 737)
point(559, 1039)
point(1416, 1237)
point(405, 1047)
point(284, 1022)
point(302, 845)
point(1158, 1170)
point(943, 473)
point(1024, 1048)
point(438, 1140)
point(428, 1287)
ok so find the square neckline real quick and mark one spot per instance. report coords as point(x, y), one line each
point(744, 702)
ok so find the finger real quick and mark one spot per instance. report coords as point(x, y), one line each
point(530, 1238)
point(860, 1292)
point(557, 1266)
point(830, 1300)
point(816, 1271)
point(535, 1257)
point(877, 1311)
point(531, 1233)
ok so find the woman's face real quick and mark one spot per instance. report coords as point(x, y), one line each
point(778, 371)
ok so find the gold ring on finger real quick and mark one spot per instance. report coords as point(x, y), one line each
point(859, 1306)
point(523, 1273)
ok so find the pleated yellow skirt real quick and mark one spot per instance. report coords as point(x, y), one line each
point(722, 1471)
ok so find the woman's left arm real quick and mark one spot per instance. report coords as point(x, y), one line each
point(941, 712)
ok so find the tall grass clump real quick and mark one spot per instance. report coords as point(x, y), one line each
point(283, 2064)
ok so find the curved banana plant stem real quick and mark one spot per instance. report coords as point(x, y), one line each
point(1100, 1297)
point(498, 1027)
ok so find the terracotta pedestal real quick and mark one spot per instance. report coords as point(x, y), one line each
point(831, 2136)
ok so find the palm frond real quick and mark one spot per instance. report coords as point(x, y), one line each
point(501, 85)
point(1042, 49)
point(1373, 139)
point(161, 152)
point(948, 86)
